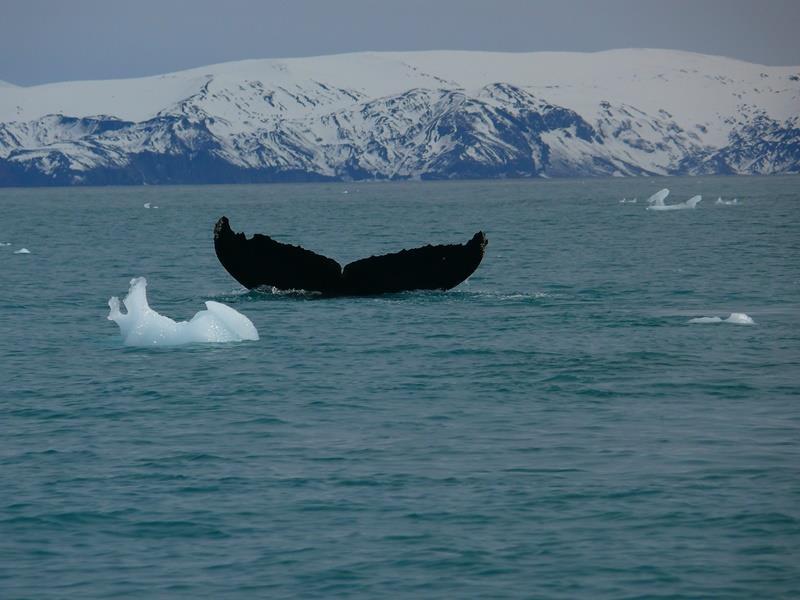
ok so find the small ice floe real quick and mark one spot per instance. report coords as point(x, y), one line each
point(658, 197)
point(22, 251)
point(656, 202)
point(142, 326)
point(735, 318)
point(147, 205)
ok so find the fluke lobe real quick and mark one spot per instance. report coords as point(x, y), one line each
point(261, 261)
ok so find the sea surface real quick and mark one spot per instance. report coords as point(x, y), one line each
point(554, 427)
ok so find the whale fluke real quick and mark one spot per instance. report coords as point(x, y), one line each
point(261, 261)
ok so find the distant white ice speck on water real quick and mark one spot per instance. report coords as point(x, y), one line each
point(142, 326)
point(147, 205)
point(22, 251)
point(735, 318)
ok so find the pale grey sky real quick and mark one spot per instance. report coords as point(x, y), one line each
point(57, 40)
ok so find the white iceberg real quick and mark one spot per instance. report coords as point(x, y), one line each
point(656, 202)
point(142, 326)
point(735, 318)
point(659, 197)
point(22, 251)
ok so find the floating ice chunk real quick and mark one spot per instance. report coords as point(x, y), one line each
point(706, 320)
point(5, 243)
point(658, 198)
point(740, 319)
point(147, 205)
point(659, 204)
point(22, 251)
point(735, 318)
point(693, 201)
point(142, 326)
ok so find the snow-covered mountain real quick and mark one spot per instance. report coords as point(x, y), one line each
point(429, 115)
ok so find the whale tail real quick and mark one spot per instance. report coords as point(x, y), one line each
point(262, 261)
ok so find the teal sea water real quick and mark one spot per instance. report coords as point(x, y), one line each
point(552, 428)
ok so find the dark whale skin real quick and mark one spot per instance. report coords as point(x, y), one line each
point(261, 261)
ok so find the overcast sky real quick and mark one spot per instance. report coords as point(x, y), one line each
point(57, 40)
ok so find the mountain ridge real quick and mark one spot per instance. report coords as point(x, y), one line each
point(408, 115)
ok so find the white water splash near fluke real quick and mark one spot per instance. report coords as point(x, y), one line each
point(142, 326)
point(735, 318)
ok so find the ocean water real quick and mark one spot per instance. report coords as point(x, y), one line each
point(552, 428)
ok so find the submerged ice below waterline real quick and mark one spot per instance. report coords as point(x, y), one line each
point(142, 326)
